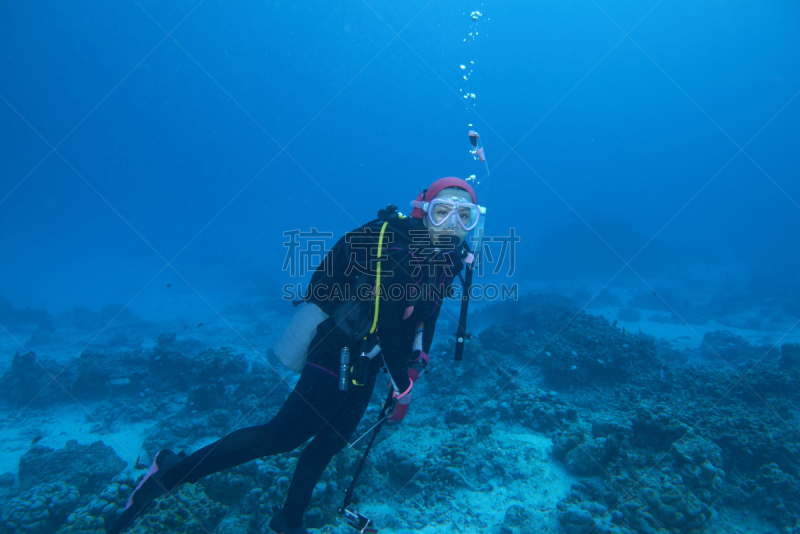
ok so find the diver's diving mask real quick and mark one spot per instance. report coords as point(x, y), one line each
point(451, 211)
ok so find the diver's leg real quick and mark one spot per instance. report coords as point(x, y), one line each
point(314, 400)
point(309, 405)
point(317, 455)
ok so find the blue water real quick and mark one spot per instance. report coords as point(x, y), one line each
point(154, 156)
point(198, 133)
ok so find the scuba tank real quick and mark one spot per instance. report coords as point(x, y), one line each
point(292, 347)
point(352, 317)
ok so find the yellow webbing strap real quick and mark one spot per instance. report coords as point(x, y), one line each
point(378, 280)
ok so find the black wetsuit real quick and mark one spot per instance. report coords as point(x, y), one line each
point(316, 408)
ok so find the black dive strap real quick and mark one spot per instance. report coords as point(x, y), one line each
point(461, 333)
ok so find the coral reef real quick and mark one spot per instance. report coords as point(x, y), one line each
point(535, 408)
point(101, 510)
point(518, 520)
point(30, 381)
point(40, 510)
point(665, 437)
point(790, 356)
point(774, 492)
point(662, 438)
point(213, 377)
point(86, 467)
point(13, 318)
point(572, 347)
point(188, 510)
point(728, 349)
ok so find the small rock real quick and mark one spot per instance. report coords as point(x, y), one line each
point(578, 516)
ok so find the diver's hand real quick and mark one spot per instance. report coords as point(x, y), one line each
point(400, 402)
point(399, 408)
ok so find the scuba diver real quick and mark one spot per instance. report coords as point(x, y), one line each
point(380, 290)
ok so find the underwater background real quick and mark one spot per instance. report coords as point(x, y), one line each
point(641, 377)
